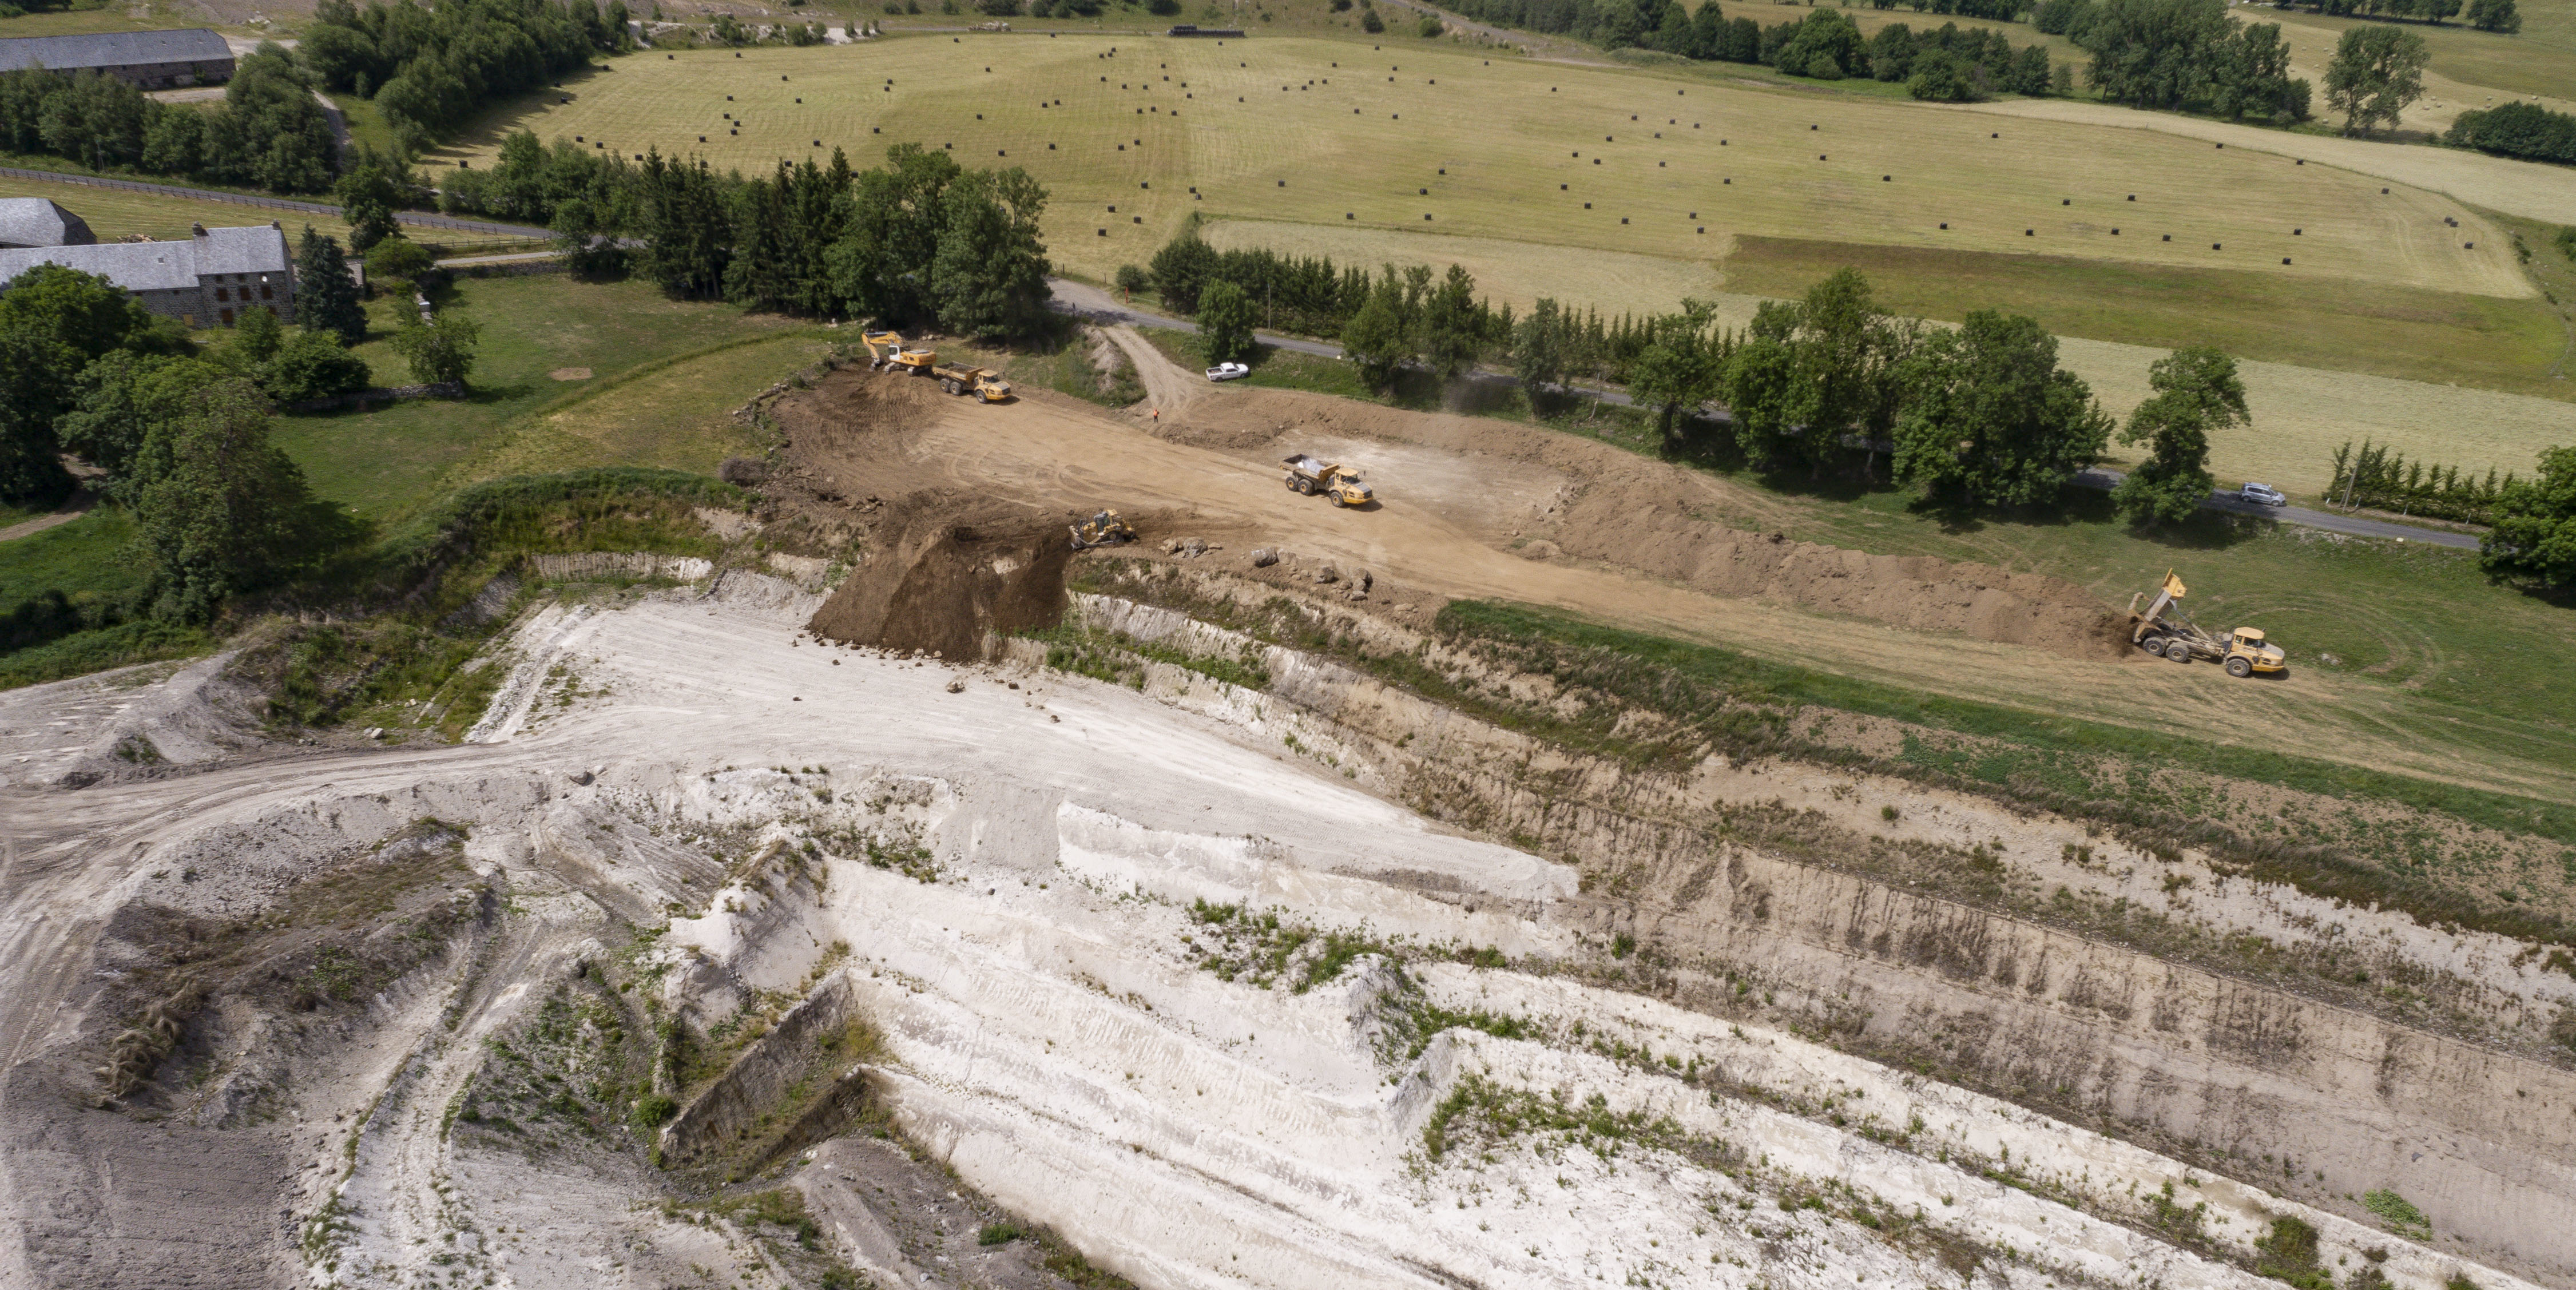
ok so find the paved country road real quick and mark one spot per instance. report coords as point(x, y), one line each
point(1100, 306)
point(2221, 500)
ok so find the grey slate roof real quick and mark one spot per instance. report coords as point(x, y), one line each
point(37, 221)
point(162, 266)
point(114, 49)
point(260, 248)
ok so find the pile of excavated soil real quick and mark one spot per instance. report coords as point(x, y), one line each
point(949, 575)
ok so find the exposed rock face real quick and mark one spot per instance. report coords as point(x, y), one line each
point(1163, 967)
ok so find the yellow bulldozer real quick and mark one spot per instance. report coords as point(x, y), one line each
point(1103, 529)
point(2165, 630)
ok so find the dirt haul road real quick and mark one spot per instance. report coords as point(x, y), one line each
point(1026, 887)
point(1471, 507)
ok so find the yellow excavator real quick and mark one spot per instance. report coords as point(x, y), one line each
point(886, 352)
point(2164, 630)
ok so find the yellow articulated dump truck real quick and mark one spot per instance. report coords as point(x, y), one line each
point(1309, 476)
point(982, 382)
point(2164, 630)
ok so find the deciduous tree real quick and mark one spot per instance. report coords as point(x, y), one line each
point(2534, 536)
point(2197, 393)
point(220, 504)
point(440, 351)
point(1990, 418)
point(2376, 73)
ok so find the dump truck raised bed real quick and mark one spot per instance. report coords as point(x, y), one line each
point(2164, 630)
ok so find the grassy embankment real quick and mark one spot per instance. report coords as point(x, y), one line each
point(663, 378)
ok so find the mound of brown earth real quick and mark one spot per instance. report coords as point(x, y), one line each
point(948, 577)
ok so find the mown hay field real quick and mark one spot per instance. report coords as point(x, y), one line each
point(1410, 136)
point(1506, 272)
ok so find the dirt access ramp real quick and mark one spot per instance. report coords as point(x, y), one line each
point(1618, 510)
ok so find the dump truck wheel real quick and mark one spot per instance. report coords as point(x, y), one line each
point(2239, 668)
point(2153, 644)
point(2178, 651)
point(950, 386)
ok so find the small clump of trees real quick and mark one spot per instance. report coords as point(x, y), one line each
point(429, 70)
point(2525, 130)
point(919, 240)
point(1948, 64)
point(2181, 55)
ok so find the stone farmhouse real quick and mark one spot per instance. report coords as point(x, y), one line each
point(206, 281)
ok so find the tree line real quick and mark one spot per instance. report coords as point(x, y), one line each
point(1948, 64)
point(2503, 16)
point(1405, 313)
point(2525, 130)
point(2379, 477)
point(431, 69)
point(267, 133)
point(1829, 384)
point(920, 240)
point(2531, 533)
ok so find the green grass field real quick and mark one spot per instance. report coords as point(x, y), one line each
point(83, 559)
point(389, 461)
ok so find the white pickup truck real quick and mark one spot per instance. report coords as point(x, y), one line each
point(1228, 372)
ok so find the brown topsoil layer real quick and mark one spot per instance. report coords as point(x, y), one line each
point(959, 512)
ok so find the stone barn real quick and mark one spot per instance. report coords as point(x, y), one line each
point(154, 60)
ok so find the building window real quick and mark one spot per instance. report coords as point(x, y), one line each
point(228, 317)
point(266, 293)
point(223, 294)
